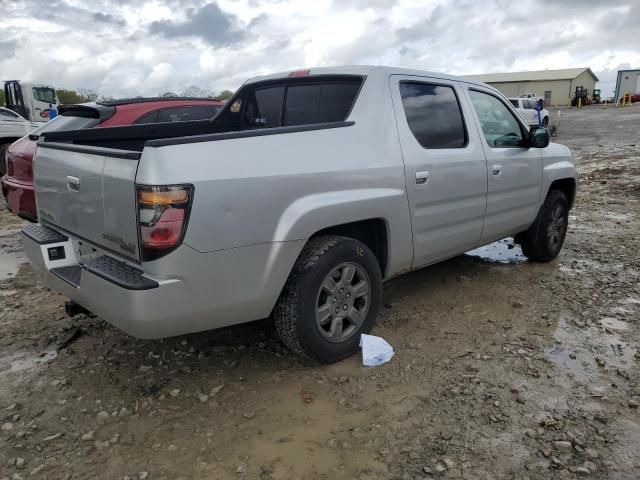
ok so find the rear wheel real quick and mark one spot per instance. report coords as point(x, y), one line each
point(331, 297)
point(544, 239)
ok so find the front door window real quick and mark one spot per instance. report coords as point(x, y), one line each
point(499, 126)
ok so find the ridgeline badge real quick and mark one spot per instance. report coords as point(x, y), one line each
point(123, 244)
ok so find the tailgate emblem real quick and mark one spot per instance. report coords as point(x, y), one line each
point(123, 244)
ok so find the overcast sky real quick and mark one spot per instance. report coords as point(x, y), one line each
point(127, 48)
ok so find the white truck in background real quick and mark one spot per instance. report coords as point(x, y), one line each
point(25, 103)
point(30, 100)
point(528, 109)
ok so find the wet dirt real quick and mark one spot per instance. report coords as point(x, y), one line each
point(504, 369)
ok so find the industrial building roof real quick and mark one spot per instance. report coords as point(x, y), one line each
point(533, 76)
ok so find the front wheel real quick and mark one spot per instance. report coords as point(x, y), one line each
point(331, 297)
point(545, 122)
point(543, 241)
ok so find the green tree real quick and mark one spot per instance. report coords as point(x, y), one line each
point(1, 98)
point(68, 96)
point(223, 95)
point(83, 95)
point(168, 94)
point(194, 91)
point(87, 94)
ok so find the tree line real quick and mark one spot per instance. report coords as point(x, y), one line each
point(85, 95)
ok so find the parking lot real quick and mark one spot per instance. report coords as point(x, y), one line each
point(503, 368)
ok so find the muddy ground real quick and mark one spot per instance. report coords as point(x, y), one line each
point(503, 368)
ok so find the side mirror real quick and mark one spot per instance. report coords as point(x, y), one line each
point(539, 137)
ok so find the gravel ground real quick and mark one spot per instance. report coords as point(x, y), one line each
point(503, 368)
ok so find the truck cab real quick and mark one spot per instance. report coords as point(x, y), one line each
point(32, 101)
point(295, 202)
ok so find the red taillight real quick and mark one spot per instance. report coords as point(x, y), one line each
point(163, 212)
point(300, 73)
point(44, 114)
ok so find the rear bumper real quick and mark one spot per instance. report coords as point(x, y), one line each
point(190, 292)
point(19, 197)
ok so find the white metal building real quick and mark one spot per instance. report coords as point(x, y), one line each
point(557, 87)
point(628, 82)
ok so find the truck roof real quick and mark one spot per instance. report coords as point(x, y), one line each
point(364, 70)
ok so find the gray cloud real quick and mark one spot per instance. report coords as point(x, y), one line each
point(7, 48)
point(429, 27)
point(209, 23)
point(108, 18)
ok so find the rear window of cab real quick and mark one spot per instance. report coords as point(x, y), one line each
point(293, 102)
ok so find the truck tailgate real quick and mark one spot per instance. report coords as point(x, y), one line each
point(90, 193)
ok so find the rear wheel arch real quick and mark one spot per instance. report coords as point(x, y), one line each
point(373, 232)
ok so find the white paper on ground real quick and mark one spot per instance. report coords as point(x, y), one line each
point(375, 350)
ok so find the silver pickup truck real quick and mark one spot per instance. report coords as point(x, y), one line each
point(305, 193)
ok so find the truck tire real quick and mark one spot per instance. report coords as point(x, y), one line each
point(332, 296)
point(544, 239)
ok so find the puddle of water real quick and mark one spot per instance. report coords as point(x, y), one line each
point(21, 361)
point(503, 251)
point(9, 264)
point(577, 348)
point(614, 324)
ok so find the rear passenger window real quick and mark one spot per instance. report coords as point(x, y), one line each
point(320, 103)
point(264, 108)
point(433, 114)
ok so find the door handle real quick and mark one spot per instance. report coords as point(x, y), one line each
point(73, 183)
point(422, 177)
point(496, 169)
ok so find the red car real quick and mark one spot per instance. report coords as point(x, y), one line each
point(17, 184)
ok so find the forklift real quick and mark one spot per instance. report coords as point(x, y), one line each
point(595, 97)
point(581, 97)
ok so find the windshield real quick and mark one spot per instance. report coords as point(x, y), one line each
point(44, 94)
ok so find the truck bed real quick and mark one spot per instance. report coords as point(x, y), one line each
point(131, 137)
point(135, 138)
